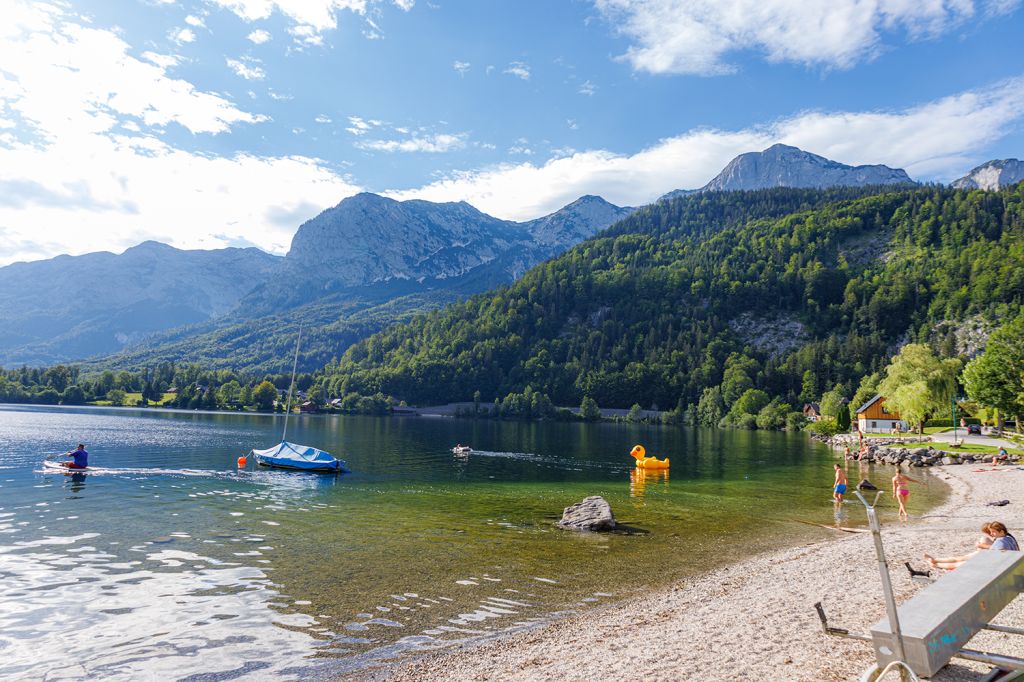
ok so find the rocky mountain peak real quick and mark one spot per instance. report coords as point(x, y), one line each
point(783, 165)
point(992, 175)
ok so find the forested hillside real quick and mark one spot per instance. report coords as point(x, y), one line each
point(681, 296)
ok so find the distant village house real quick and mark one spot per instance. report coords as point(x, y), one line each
point(812, 411)
point(872, 417)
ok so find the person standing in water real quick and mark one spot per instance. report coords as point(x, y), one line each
point(839, 488)
point(901, 491)
point(81, 458)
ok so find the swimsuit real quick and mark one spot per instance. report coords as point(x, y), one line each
point(841, 488)
point(903, 491)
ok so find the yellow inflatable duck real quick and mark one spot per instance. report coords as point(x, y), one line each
point(645, 462)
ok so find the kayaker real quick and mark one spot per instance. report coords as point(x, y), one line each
point(81, 458)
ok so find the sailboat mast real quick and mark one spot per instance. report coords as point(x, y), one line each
point(288, 405)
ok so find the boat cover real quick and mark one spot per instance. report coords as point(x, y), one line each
point(291, 456)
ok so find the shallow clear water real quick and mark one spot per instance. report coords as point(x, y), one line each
point(175, 565)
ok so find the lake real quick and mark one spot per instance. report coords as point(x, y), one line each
point(180, 566)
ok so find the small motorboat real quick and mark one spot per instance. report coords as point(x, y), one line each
point(287, 455)
point(462, 450)
point(52, 465)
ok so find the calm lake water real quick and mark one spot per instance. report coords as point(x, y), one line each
point(178, 566)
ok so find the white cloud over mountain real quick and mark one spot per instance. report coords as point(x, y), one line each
point(87, 167)
point(699, 36)
point(937, 140)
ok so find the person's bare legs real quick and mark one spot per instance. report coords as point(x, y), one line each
point(947, 563)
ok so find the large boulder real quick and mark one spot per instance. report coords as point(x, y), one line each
point(592, 514)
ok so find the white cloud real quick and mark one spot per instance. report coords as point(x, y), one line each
point(360, 126)
point(698, 36)
point(247, 67)
point(587, 88)
point(322, 119)
point(164, 61)
point(310, 18)
point(939, 140)
point(519, 70)
point(573, 125)
point(259, 36)
point(89, 173)
point(461, 67)
point(438, 143)
point(193, 20)
point(182, 35)
point(279, 96)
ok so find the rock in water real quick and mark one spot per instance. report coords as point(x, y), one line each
point(592, 514)
point(867, 485)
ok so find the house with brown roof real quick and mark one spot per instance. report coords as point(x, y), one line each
point(873, 417)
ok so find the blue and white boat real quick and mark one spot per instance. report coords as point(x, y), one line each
point(300, 458)
point(287, 455)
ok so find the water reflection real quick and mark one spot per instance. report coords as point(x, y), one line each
point(640, 479)
point(169, 549)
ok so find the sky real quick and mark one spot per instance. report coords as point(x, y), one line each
point(212, 123)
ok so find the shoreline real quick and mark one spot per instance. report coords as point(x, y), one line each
point(754, 619)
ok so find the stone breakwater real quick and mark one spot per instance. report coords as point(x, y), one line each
point(893, 451)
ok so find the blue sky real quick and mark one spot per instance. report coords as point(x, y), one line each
point(228, 122)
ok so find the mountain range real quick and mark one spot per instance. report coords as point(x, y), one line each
point(350, 270)
point(354, 269)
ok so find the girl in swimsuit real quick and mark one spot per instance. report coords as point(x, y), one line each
point(901, 492)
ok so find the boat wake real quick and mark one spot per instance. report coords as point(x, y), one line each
point(54, 468)
point(550, 461)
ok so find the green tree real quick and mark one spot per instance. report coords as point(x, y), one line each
point(738, 377)
point(635, 413)
point(866, 391)
point(264, 395)
point(918, 384)
point(832, 403)
point(73, 395)
point(589, 410)
point(229, 393)
point(710, 408)
point(116, 396)
point(995, 379)
point(773, 415)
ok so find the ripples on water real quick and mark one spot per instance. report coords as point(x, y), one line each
point(167, 563)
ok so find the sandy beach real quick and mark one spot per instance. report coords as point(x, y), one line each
point(755, 620)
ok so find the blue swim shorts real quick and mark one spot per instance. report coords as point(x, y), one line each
point(841, 488)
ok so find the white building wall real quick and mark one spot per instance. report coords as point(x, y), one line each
point(880, 425)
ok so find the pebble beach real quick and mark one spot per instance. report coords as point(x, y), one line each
point(755, 620)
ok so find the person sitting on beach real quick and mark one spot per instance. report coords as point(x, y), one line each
point(998, 536)
point(840, 485)
point(80, 456)
point(1002, 457)
point(863, 452)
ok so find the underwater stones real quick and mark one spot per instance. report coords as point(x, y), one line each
point(867, 485)
point(592, 514)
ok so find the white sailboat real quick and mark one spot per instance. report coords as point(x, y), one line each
point(292, 456)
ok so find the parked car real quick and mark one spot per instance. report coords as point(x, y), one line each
point(974, 428)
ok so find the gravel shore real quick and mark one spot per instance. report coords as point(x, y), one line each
point(755, 620)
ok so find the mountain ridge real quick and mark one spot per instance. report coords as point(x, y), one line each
point(782, 165)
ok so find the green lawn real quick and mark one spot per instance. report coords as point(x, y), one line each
point(132, 399)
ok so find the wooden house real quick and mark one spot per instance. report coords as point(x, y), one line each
point(872, 417)
point(812, 411)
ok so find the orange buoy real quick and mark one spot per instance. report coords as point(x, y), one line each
point(241, 462)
